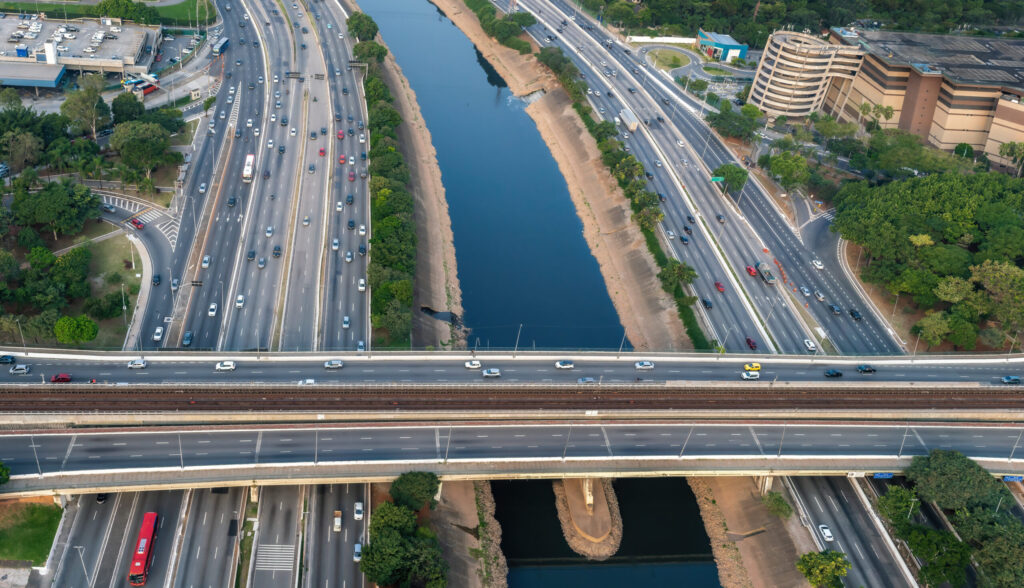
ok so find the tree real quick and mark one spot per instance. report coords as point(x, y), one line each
point(698, 85)
point(898, 505)
point(731, 123)
point(393, 516)
point(964, 150)
point(20, 149)
point(1004, 284)
point(676, 271)
point(735, 176)
point(649, 218)
point(932, 327)
point(946, 558)
point(750, 111)
point(85, 107)
point(126, 107)
point(954, 481)
point(825, 569)
point(863, 110)
point(415, 489)
point(384, 557)
point(362, 26)
point(791, 169)
point(1014, 151)
point(10, 99)
point(208, 103)
point(5, 474)
point(70, 330)
point(369, 51)
point(142, 145)
point(777, 505)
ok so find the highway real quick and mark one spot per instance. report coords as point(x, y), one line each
point(29, 456)
point(276, 549)
point(328, 553)
point(211, 535)
point(751, 227)
point(90, 530)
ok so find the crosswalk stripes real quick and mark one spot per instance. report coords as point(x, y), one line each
point(124, 203)
point(276, 558)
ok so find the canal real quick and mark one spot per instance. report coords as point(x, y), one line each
point(523, 263)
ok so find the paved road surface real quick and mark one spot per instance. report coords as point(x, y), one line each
point(277, 543)
point(328, 556)
point(208, 545)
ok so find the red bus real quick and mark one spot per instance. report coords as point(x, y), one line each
point(143, 555)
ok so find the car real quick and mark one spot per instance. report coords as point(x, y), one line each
point(280, 149)
point(564, 364)
point(707, 303)
point(223, 115)
point(341, 134)
point(293, 131)
point(351, 176)
point(344, 91)
point(251, 255)
point(273, 117)
point(585, 380)
point(206, 262)
point(830, 373)
point(357, 511)
point(1010, 380)
point(492, 373)
point(259, 79)
point(225, 366)
point(644, 365)
point(687, 230)
point(362, 249)
point(690, 219)
point(817, 264)
point(866, 369)
point(212, 310)
point(137, 364)
point(751, 270)
point(333, 364)
point(362, 137)
point(60, 378)
point(266, 172)
point(158, 334)
point(341, 158)
point(240, 301)
point(137, 224)
point(186, 341)
point(346, 322)
point(357, 552)
point(684, 239)
point(362, 230)
point(805, 291)
point(156, 279)
point(855, 315)
point(679, 143)
point(312, 168)
point(751, 375)
point(269, 232)
point(472, 364)
point(657, 162)
point(261, 263)
point(277, 251)
point(720, 287)
point(826, 533)
point(348, 256)
point(7, 359)
point(338, 206)
point(810, 346)
point(108, 207)
point(232, 201)
point(752, 367)
point(101, 497)
point(751, 344)
point(276, 79)
point(720, 218)
point(270, 144)
point(248, 123)
point(362, 284)
point(819, 296)
point(670, 234)
point(361, 346)
point(835, 309)
point(305, 221)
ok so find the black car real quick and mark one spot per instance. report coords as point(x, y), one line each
point(266, 174)
point(649, 175)
point(251, 86)
point(312, 135)
point(156, 279)
point(280, 149)
point(362, 156)
point(101, 498)
point(835, 309)
point(186, 341)
point(284, 121)
point(664, 101)
point(362, 250)
point(351, 224)
point(251, 256)
point(689, 219)
point(660, 119)
point(687, 230)
point(360, 125)
point(108, 207)
point(720, 218)
point(661, 196)
point(7, 359)
point(277, 251)
point(855, 315)
point(632, 90)
point(349, 199)
point(707, 303)
point(345, 92)
point(337, 117)
point(232, 201)
point(833, 374)
point(865, 369)
point(323, 130)
point(350, 119)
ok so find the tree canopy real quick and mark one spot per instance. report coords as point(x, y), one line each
point(362, 26)
point(825, 569)
point(415, 489)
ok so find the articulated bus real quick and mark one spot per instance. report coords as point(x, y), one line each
point(220, 46)
point(250, 163)
point(144, 550)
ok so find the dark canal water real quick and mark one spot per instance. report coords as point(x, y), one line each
point(518, 241)
point(663, 538)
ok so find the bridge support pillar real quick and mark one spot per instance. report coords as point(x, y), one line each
point(254, 494)
point(764, 484)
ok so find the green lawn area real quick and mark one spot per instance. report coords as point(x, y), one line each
point(716, 71)
point(667, 59)
point(92, 229)
point(27, 531)
point(173, 14)
point(184, 136)
point(109, 257)
point(180, 12)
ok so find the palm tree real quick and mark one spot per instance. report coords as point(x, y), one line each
point(1015, 152)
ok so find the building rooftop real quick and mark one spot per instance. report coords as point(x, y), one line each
point(31, 74)
point(974, 60)
point(722, 39)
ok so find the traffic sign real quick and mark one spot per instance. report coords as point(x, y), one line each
point(882, 475)
point(1013, 478)
point(717, 179)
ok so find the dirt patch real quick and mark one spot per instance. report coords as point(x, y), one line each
point(578, 533)
point(456, 523)
point(648, 313)
point(436, 283)
point(494, 567)
point(731, 571)
point(767, 550)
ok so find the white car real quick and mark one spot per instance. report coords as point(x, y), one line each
point(225, 366)
point(357, 552)
point(137, 364)
point(339, 206)
point(492, 373)
point(679, 143)
point(333, 364)
point(269, 232)
point(751, 375)
point(346, 322)
point(564, 364)
point(240, 301)
point(817, 264)
point(248, 123)
point(362, 285)
point(348, 257)
point(357, 512)
point(826, 533)
point(362, 230)
point(292, 132)
point(273, 117)
point(206, 261)
point(255, 132)
point(670, 234)
point(644, 365)
point(472, 364)
point(810, 345)
point(270, 143)
point(158, 335)
point(335, 245)
point(202, 188)
point(213, 309)
point(362, 138)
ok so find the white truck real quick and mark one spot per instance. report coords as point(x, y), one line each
point(630, 119)
point(337, 521)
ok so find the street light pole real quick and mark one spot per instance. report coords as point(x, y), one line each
point(24, 348)
point(516, 348)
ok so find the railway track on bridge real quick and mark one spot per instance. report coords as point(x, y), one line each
point(98, 398)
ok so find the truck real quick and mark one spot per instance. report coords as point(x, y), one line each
point(766, 273)
point(630, 119)
point(337, 521)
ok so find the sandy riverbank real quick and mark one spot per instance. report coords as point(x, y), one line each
point(647, 313)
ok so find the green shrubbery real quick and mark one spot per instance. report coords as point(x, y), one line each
point(507, 29)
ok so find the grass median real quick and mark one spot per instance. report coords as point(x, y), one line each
point(27, 531)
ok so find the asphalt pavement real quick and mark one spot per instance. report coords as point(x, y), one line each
point(276, 549)
point(211, 535)
point(328, 558)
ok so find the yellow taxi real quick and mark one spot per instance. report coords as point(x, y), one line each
point(752, 367)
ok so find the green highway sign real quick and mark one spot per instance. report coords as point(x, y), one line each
point(717, 179)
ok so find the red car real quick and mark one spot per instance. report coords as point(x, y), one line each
point(322, 152)
point(751, 270)
point(351, 176)
point(137, 224)
point(751, 343)
point(341, 158)
point(720, 287)
point(61, 378)
point(341, 134)
point(159, 57)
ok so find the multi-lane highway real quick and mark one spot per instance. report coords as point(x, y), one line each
point(275, 554)
point(329, 551)
point(207, 553)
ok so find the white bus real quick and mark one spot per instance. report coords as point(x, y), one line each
point(250, 163)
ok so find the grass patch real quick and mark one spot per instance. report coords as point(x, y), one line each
point(109, 257)
point(174, 14)
point(716, 71)
point(666, 59)
point(92, 229)
point(27, 531)
point(179, 13)
point(184, 137)
point(245, 545)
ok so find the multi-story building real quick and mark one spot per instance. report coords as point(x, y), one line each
point(947, 89)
